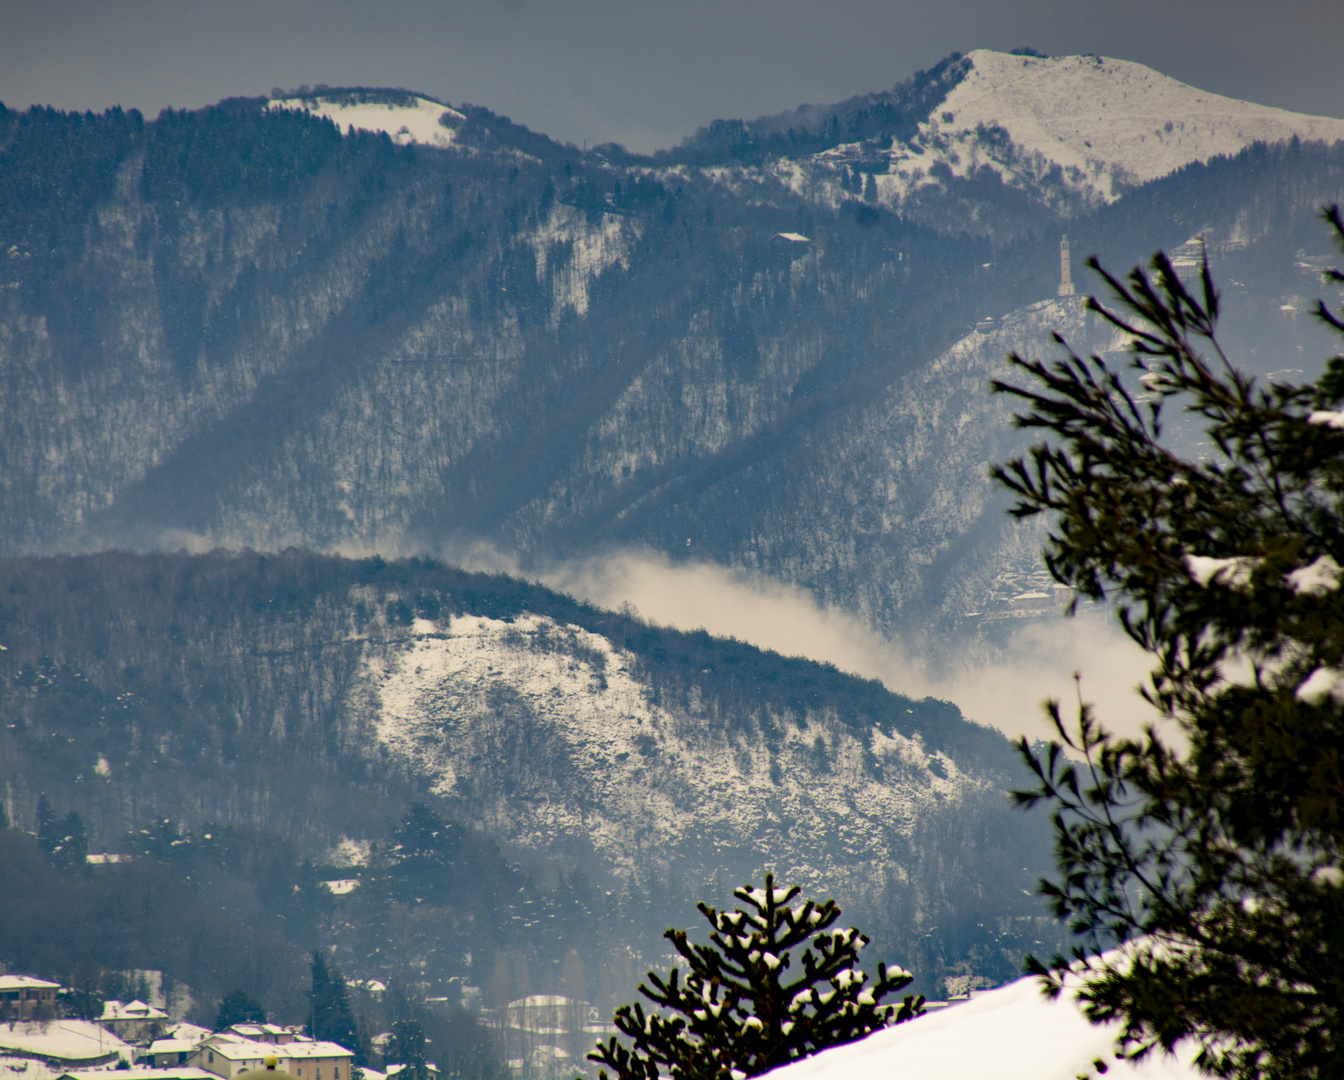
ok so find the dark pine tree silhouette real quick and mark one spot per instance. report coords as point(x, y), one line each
point(239, 1007)
point(745, 1007)
point(330, 1016)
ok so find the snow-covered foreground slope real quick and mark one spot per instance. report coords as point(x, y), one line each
point(548, 737)
point(405, 118)
point(1011, 1033)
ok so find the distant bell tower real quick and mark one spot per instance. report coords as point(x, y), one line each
point(1065, 277)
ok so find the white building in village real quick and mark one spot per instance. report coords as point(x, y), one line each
point(226, 1054)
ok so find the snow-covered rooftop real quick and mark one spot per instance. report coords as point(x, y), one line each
point(1011, 1033)
point(173, 1046)
point(265, 1032)
point(188, 1032)
point(313, 1050)
point(131, 1010)
point(405, 118)
point(26, 982)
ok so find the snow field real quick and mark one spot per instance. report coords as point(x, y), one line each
point(68, 1040)
point(1110, 122)
point(418, 123)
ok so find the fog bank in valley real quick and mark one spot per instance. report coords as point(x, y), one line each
point(999, 679)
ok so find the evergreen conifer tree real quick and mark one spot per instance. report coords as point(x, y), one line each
point(1216, 862)
point(407, 1046)
point(331, 1017)
point(750, 1002)
point(239, 1007)
point(70, 842)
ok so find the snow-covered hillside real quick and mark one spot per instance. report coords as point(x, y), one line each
point(1011, 1033)
point(1106, 123)
point(547, 736)
point(1063, 128)
point(405, 118)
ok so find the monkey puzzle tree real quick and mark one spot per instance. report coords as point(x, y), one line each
point(1213, 856)
point(749, 1002)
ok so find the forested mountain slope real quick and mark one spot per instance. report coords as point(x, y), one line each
point(241, 326)
point(312, 699)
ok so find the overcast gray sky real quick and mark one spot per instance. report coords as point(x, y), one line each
point(641, 72)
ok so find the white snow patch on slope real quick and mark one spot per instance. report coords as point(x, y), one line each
point(404, 123)
point(1011, 1033)
point(545, 736)
point(1106, 123)
point(575, 253)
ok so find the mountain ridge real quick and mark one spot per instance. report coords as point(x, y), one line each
point(313, 698)
point(246, 328)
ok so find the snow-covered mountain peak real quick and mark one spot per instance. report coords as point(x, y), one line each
point(406, 118)
point(1072, 132)
point(1107, 124)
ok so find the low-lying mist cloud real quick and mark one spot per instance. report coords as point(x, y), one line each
point(1001, 681)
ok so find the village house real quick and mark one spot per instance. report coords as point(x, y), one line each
point(405, 1072)
point(133, 1021)
point(319, 1060)
point(227, 1054)
point(167, 1053)
point(23, 997)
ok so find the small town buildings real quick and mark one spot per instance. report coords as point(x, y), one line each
point(406, 1072)
point(23, 997)
point(545, 1034)
point(192, 1033)
point(133, 1021)
point(1033, 600)
point(168, 1053)
point(227, 1054)
point(319, 1061)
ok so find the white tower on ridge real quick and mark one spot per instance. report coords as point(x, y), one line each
point(1065, 277)
point(1066, 280)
